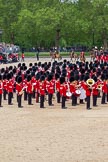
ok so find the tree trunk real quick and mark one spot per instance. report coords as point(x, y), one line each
point(57, 38)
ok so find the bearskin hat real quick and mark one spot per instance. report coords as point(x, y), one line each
point(49, 78)
point(14, 70)
point(37, 76)
point(19, 65)
point(42, 78)
point(76, 77)
point(57, 76)
point(0, 77)
point(23, 64)
point(8, 76)
point(30, 64)
point(103, 76)
point(28, 78)
point(71, 79)
point(2, 70)
point(19, 79)
point(4, 76)
point(62, 80)
point(95, 78)
point(86, 77)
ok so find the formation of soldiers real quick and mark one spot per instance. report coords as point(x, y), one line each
point(65, 79)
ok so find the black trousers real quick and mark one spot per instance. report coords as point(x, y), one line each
point(19, 100)
point(10, 96)
point(4, 94)
point(0, 99)
point(41, 101)
point(88, 102)
point(33, 94)
point(25, 95)
point(58, 97)
point(63, 101)
point(37, 55)
point(103, 98)
point(94, 100)
point(29, 98)
point(37, 97)
point(107, 97)
point(74, 100)
point(50, 98)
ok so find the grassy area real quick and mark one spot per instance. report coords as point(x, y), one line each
point(46, 54)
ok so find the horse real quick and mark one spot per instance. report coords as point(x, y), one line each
point(82, 57)
point(92, 55)
point(55, 55)
point(73, 56)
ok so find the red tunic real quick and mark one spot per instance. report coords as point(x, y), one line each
point(50, 88)
point(42, 88)
point(29, 87)
point(18, 88)
point(94, 89)
point(63, 90)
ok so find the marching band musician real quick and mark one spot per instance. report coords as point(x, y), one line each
point(9, 89)
point(83, 93)
point(95, 92)
point(4, 86)
point(36, 87)
point(88, 90)
point(63, 92)
point(104, 90)
point(57, 86)
point(42, 90)
point(19, 90)
point(50, 89)
point(29, 90)
point(72, 90)
point(1, 90)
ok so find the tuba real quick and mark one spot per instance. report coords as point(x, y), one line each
point(90, 82)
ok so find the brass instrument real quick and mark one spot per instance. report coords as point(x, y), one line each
point(99, 87)
point(90, 82)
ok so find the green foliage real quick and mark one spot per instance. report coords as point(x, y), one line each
point(35, 23)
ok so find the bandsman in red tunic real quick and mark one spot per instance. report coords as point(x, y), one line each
point(10, 88)
point(104, 90)
point(4, 86)
point(50, 89)
point(95, 90)
point(19, 91)
point(63, 91)
point(29, 90)
point(42, 91)
point(57, 87)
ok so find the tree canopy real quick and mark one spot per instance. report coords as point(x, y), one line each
point(54, 22)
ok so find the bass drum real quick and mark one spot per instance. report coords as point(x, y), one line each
point(68, 94)
point(77, 92)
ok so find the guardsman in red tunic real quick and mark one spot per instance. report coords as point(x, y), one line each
point(1, 91)
point(72, 90)
point(57, 87)
point(36, 87)
point(50, 89)
point(95, 91)
point(9, 89)
point(29, 90)
point(19, 91)
point(104, 90)
point(63, 90)
point(88, 90)
point(4, 86)
point(25, 87)
point(42, 91)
